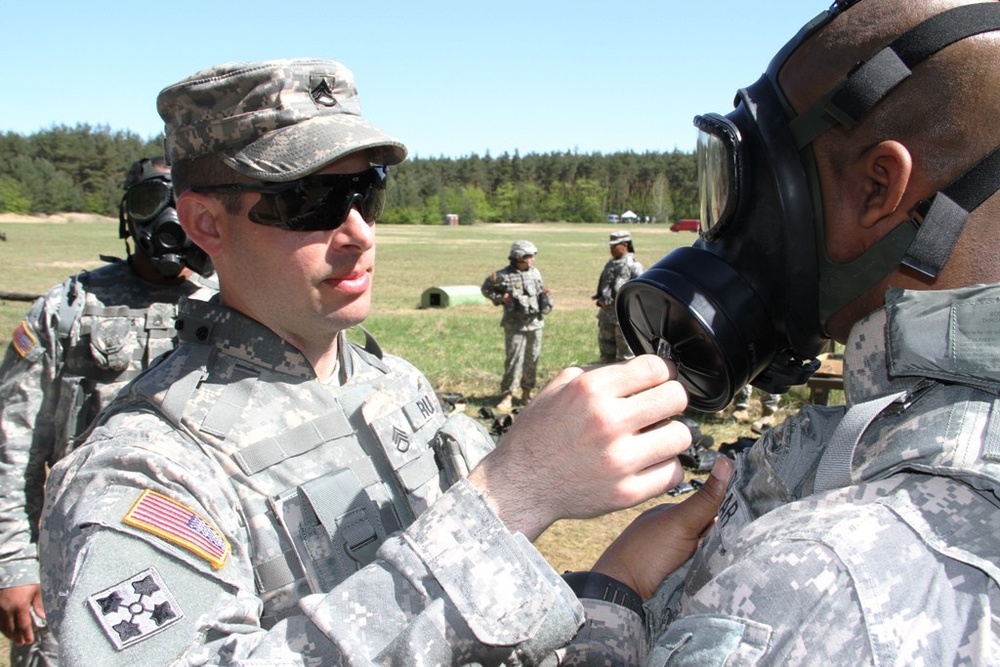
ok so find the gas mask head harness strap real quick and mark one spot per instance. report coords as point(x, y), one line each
point(748, 302)
point(148, 215)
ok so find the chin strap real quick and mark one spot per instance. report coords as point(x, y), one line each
point(939, 220)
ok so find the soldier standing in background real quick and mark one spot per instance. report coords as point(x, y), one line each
point(77, 346)
point(518, 287)
point(621, 268)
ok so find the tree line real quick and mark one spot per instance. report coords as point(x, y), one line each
point(82, 169)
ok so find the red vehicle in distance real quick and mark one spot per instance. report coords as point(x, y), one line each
point(686, 225)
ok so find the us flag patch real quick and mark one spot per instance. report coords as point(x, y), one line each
point(157, 514)
point(22, 339)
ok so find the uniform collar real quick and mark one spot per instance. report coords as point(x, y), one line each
point(235, 334)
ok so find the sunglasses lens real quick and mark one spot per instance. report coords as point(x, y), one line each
point(322, 202)
point(144, 201)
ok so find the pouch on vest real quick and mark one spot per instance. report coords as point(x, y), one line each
point(113, 343)
point(160, 331)
point(334, 527)
point(460, 445)
point(404, 423)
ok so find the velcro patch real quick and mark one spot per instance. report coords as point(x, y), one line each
point(23, 339)
point(135, 609)
point(157, 514)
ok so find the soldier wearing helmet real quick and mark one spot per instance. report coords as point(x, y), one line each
point(519, 288)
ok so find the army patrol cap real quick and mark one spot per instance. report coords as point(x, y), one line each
point(520, 249)
point(619, 237)
point(276, 120)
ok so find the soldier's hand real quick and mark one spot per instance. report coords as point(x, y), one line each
point(661, 539)
point(15, 614)
point(590, 443)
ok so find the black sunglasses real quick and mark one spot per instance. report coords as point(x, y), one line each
point(316, 202)
point(147, 199)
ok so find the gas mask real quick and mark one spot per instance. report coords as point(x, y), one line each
point(747, 303)
point(147, 214)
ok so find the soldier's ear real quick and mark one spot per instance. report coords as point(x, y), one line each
point(883, 183)
point(202, 218)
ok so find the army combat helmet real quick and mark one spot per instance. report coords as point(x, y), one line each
point(522, 249)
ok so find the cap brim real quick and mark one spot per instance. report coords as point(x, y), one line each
point(292, 152)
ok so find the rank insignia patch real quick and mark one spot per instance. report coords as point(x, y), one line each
point(135, 609)
point(157, 514)
point(22, 339)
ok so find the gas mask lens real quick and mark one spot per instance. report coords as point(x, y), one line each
point(146, 200)
point(718, 172)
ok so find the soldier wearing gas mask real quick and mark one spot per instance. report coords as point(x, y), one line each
point(77, 346)
point(851, 194)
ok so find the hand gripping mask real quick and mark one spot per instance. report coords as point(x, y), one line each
point(748, 301)
point(147, 214)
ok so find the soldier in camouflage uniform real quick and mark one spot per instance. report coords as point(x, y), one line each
point(621, 268)
point(270, 493)
point(77, 346)
point(868, 534)
point(519, 288)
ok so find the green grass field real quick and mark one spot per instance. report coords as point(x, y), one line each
point(460, 349)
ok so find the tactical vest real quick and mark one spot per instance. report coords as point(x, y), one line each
point(528, 304)
point(104, 347)
point(322, 473)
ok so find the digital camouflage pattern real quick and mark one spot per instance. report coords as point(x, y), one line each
point(75, 349)
point(295, 483)
point(616, 273)
point(522, 321)
point(885, 555)
point(274, 121)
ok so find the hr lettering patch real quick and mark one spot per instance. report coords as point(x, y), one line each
point(135, 609)
point(164, 517)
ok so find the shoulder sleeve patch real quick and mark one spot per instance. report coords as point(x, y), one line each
point(135, 609)
point(23, 340)
point(176, 523)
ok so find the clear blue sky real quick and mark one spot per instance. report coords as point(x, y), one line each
point(447, 77)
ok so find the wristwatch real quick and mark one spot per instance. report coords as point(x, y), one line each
point(596, 586)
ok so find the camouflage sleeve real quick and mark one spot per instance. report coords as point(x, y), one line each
point(611, 635)
point(28, 393)
point(605, 285)
point(784, 602)
point(454, 587)
point(494, 288)
point(896, 571)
